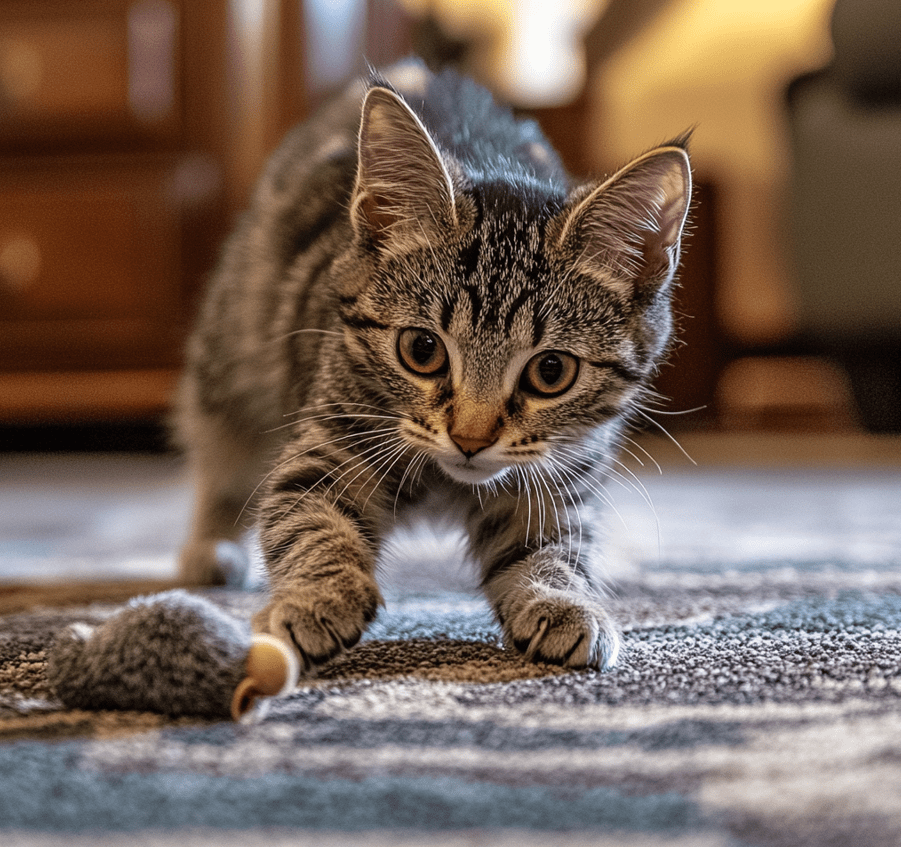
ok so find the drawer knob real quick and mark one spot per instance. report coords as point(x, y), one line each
point(20, 262)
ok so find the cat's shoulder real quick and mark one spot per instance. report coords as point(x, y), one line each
point(483, 135)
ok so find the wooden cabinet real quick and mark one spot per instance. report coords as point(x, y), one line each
point(90, 265)
point(113, 164)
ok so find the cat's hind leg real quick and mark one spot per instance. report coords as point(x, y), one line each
point(225, 468)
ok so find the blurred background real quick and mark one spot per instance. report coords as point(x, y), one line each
point(131, 132)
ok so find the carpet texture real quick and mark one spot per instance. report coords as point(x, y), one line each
point(758, 703)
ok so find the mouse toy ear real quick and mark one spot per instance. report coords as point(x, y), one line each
point(272, 670)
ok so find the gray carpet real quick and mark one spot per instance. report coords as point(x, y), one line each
point(758, 701)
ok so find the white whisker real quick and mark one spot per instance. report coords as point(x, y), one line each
point(673, 413)
point(639, 487)
point(633, 482)
point(594, 485)
point(375, 434)
point(305, 330)
point(663, 429)
point(565, 489)
point(344, 405)
point(317, 418)
point(399, 451)
point(408, 472)
point(357, 459)
point(634, 443)
point(371, 462)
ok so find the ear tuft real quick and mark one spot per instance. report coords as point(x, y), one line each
point(403, 193)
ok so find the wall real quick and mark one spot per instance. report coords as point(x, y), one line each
point(722, 66)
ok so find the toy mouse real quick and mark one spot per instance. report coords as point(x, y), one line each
point(174, 653)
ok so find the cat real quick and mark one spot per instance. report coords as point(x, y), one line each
point(420, 301)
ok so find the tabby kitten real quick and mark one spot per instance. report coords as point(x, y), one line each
point(419, 302)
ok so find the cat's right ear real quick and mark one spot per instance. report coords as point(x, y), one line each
point(403, 195)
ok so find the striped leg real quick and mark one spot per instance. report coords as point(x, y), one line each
point(543, 591)
point(318, 530)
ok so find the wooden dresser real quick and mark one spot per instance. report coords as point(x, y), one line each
point(112, 199)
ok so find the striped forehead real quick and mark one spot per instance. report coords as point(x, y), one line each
point(502, 270)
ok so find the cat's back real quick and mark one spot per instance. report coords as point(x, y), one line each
point(483, 136)
point(316, 163)
point(252, 349)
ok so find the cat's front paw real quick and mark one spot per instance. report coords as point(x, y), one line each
point(319, 624)
point(564, 628)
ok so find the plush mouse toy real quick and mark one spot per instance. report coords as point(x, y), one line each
point(174, 653)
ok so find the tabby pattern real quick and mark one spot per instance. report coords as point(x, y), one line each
point(419, 302)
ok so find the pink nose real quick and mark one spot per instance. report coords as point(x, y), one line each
point(468, 445)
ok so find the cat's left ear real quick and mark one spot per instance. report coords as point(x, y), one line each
point(403, 194)
point(628, 230)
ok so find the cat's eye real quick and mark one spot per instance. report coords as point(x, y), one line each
point(550, 374)
point(422, 352)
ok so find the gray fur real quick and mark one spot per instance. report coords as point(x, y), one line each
point(171, 653)
point(437, 212)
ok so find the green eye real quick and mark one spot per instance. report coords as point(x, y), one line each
point(422, 352)
point(549, 374)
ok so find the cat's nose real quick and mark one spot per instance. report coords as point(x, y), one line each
point(470, 445)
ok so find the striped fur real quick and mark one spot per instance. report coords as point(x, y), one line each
point(419, 301)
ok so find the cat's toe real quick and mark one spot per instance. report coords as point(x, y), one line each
point(566, 630)
point(318, 628)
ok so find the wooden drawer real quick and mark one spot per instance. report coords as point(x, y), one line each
point(88, 70)
point(90, 266)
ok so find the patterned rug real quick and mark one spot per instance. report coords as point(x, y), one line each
point(758, 703)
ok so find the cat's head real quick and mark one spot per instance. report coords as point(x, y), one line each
point(502, 315)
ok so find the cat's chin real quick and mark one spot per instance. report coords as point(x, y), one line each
point(472, 474)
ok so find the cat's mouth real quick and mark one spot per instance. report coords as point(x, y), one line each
point(473, 472)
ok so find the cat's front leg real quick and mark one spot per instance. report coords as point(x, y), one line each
point(321, 555)
point(544, 595)
point(562, 626)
